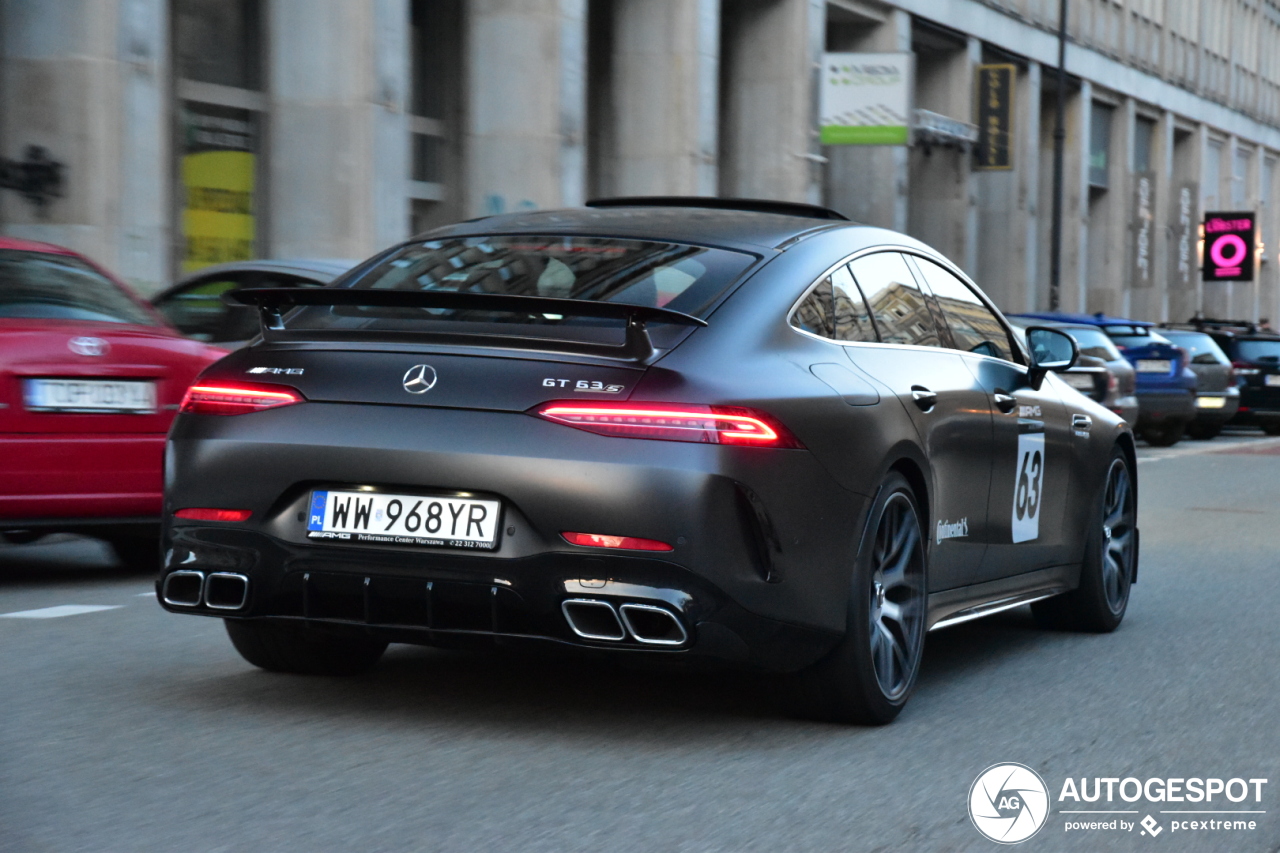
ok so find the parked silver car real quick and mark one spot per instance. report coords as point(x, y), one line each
point(194, 305)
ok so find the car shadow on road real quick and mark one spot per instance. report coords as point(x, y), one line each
point(515, 691)
point(62, 559)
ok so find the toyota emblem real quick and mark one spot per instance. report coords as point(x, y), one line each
point(88, 346)
point(419, 379)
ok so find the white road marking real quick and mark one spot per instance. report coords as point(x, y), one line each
point(60, 610)
point(151, 594)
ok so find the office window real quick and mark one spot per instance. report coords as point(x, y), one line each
point(1100, 146)
point(1144, 133)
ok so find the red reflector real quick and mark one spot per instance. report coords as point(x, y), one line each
point(631, 543)
point(237, 399)
point(673, 422)
point(199, 513)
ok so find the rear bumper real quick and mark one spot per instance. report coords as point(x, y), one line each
point(1155, 407)
point(70, 477)
point(763, 539)
point(1211, 413)
point(476, 601)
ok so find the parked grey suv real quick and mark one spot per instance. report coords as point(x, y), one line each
point(1217, 397)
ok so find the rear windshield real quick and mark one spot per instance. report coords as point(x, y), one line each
point(1201, 347)
point(1124, 341)
point(39, 286)
point(1094, 343)
point(1263, 350)
point(664, 275)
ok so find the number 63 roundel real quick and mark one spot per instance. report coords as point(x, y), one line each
point(1028, 490)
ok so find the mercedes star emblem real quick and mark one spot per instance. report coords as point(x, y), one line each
point(419, 379)
point(88, 346)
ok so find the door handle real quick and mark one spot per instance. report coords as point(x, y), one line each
point(1081, 423)
point(1004, 402)
point(924, 398)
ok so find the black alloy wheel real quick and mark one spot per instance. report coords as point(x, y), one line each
point(1111, 553)
point(871, 673)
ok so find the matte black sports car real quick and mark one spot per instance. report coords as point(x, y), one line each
point(751, 431)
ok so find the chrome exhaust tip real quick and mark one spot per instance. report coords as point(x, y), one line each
point(655, 626)
point(225, 591)
point(593, 619)
point(183, 589)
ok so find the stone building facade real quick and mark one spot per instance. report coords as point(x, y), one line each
point(194, 131)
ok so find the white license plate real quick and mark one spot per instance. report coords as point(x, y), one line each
point(1211, 402)
point(1272, 379)
point(89, 395)
point(1079, 381)
point(431, 520)
point(1154, 365)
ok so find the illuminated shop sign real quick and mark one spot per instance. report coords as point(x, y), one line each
point(1228, 246)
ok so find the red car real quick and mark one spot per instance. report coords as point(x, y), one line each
point(90, 379)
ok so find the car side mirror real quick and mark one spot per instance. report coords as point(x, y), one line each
point(1050, 349)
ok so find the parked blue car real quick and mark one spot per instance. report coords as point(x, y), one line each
point(1166, 387)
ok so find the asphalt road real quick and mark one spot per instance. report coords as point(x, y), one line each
point(130, 729)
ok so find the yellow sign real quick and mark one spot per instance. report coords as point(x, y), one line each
point(217, 219)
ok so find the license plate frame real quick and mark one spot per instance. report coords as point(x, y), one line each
point(1153, 365)
point(371, 509)
point(95, 396)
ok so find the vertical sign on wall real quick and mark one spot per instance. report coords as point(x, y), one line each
point(995, 116)
point(218, 164)
point(865, 98)
point(1229, 245)
point(1182, 263)
point(1143, 221)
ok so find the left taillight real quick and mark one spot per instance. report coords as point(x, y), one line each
point(672, 422)
point(237, 399)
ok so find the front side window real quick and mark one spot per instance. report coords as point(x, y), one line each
point(974, 326)
point(37, 286)
point(894, 299)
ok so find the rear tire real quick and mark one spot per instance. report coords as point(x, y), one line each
point(1098, 605)
point(287, 647)
point(1204, 432)
point(870, 675)
point(1166, 434)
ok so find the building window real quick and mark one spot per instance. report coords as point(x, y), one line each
point(1144, 132)
point(219, 130)
point(1240, 178)
point(435, 105)
point(1100, 146)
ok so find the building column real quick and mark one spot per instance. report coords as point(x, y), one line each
point(868, 183)
point(1151, 301)
point(943, 207)
point(337, 136)
point(526, 105)
point(87, 81)
point(1106, 272)
point(769, 143)
point(665, 54)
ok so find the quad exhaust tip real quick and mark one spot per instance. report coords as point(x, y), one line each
point(593, 619)
point(217, 590)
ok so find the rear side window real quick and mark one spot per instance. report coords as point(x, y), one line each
point(1201, 347)
point(895, 301)
point(1094, 343)
point(39, 286)
point(974, 327)
point(835, 309)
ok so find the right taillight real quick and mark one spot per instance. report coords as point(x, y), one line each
point(237, 398)
point(672, 422)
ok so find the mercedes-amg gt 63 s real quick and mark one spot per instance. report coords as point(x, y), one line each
point(730, 429)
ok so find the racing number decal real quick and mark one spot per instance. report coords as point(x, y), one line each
point(1028, 489)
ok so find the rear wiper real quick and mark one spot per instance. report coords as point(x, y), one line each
point(637, 346)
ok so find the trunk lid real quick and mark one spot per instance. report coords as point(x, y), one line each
point(86, 351)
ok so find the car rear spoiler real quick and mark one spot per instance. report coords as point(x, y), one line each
point(637, 346)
